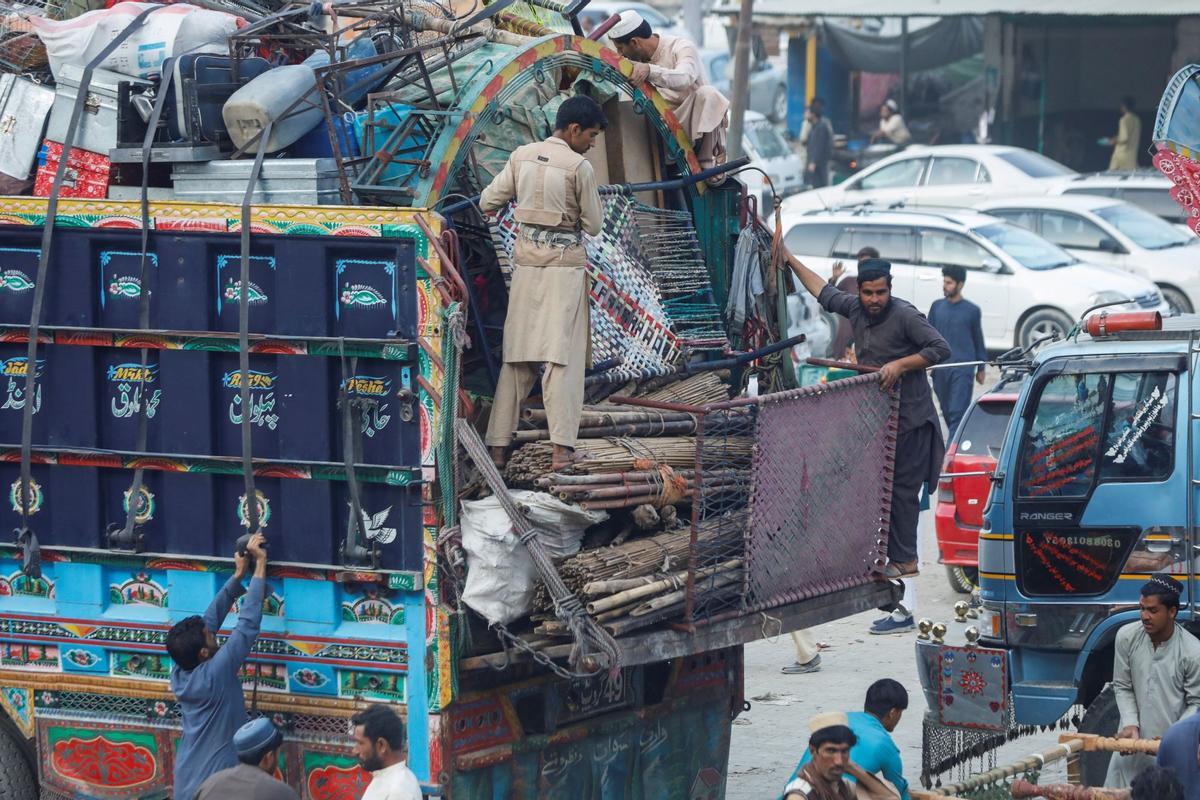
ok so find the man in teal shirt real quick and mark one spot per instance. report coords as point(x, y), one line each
point(875, 751)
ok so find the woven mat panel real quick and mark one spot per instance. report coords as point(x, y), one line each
point(820, 490)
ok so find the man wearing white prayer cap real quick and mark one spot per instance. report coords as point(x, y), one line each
point(671, 64)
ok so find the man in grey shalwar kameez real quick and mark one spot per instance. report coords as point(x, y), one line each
point(1156, 675)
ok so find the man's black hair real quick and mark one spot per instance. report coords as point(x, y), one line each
point(1156, 783)
point(862, 280)
point(834, 734)
point(252, 758)
point(1165, 588)
point(1128, 102)
point(582, 111)
point(381, 722)
point(884, 695)
point(956, 274)
point(866, 252)
point(185, 640)
point(643, 31)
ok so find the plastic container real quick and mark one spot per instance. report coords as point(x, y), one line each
point(810, 374)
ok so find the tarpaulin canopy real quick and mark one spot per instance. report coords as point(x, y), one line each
point(944, 42)
point(940, 8)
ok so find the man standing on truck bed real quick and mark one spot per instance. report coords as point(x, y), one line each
point(547, 322)
point(1156, 675)
point(205, 676)
point(671, 64)
point(893, 335)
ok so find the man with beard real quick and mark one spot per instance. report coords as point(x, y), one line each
point(379, 744)
point(960, 322)
point(1156, 675)
point(205, 676)
point(893, 335)
point(671, 64)
point(823, 777)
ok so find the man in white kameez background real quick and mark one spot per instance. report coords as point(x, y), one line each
point(1156, 675)
point(671, 64)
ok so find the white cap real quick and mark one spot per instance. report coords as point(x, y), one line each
point(629, 22)
point(828, 720)
point(892, 104)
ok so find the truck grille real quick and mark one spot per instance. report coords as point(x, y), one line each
point(1148, 300)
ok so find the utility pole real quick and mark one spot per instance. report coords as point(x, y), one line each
point(693, 20)
point(740, 86)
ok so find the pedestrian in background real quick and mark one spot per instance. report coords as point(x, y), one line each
point(257, 746)
point(891, 125)
point(1125, 143)
point(379, 743)
point(1156, 675)
point(1179, 751)
point(819, 149)
point(960, 323)
point(875, 752)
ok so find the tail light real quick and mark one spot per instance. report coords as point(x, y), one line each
point(946, 485)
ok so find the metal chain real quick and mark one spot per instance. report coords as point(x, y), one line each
point(507, 637)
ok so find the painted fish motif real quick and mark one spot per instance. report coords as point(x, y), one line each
point(254, 295)
point(125, 287)
point(361, 295)
point(15, 281)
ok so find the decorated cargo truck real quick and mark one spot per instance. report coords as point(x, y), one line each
point(178, 373)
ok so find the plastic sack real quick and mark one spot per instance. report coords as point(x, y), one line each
point(501, 577)
point(169, 31)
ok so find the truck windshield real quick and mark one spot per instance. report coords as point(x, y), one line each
point(1031, 250)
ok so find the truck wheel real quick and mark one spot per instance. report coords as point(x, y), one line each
point(1042, 322)
point(963, 580)
point(1102, 717)
point(17, 778)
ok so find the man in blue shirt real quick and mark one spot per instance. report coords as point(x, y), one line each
point(1180, 752)
point(960, 323)
point(205, 676)
point(875, 752)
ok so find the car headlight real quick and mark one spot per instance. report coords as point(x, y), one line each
point(1100, 298)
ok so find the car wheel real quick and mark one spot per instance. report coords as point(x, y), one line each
point(1177, 300)
point(1102, 717)
point(1043, 322)
point(779, 104)
point(963, 580)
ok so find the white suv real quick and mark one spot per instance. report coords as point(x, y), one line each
point(1115, 234)
point(1025, 286)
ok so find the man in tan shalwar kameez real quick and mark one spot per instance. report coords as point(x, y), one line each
point(671, 64)
point(547, 323)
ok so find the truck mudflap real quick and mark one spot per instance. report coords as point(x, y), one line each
point(653, 731)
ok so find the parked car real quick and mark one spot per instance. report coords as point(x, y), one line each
point(965, 482)
point(768, 83)
point(595, 13)
point(1114, 233)
point(1025, 286)
point(1145, 188)
point(941, 175)
point(770, 152)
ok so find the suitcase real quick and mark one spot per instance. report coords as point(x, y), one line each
point(88, 173)
point(97, 130)
point(24, 107)
point(200, 85)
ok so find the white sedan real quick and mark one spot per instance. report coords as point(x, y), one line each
point(1116, 234)
point(942, 175)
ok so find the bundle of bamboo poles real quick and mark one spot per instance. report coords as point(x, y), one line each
point(533, 460)
point(628, 489)
point(717, 539)
point(601, 421)
point(706, 387)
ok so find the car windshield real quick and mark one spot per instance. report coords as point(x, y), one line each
point(1035, 165)
point(765, 140)
point(1029, 249)
point(983, 432)
point(1145, 229)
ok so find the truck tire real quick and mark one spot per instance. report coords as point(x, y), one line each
point(17, 778)
point(963, 580)
point(1102, 717)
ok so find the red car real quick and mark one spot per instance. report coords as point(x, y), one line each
point(961, 500)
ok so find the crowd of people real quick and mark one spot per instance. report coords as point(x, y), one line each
point(225, 754)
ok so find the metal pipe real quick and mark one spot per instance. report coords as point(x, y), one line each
point(603, 27)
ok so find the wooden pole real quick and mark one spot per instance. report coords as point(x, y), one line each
point(740, 87)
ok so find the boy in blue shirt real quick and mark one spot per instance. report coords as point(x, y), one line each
point(874, 751)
